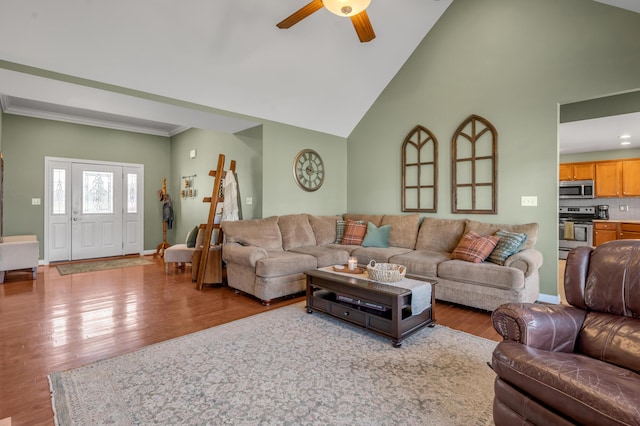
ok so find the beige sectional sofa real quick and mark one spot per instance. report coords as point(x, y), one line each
point(267, 257)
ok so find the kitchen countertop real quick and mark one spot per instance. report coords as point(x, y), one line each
point(617, 220)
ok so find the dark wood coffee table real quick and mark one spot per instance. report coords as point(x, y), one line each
point(381, 308)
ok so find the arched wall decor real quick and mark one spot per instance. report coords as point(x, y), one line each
point(474, 167)
point(420, 171)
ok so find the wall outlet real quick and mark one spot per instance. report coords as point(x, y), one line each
point(531, 201)
point(249, 200)
point(624, 208)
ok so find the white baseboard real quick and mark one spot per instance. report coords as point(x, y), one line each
point(549, 298)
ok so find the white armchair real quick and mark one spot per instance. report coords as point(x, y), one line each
point(19, 252)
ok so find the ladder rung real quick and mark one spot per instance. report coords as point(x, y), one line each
point(206, 200)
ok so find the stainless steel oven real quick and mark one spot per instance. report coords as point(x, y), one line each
point(575, 228)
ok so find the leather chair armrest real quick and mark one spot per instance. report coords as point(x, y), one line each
point(549, 327)
point(243, 255)
point(528, 261)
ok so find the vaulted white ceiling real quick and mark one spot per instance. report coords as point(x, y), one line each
point(226, 55)
point(223, 54)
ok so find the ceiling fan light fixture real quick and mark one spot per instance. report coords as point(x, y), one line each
point(346, 8)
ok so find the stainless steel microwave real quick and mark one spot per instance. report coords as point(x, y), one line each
point(576, 189)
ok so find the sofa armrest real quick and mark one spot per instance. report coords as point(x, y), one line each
point(548, 327)
point(528, 261)
point(243, 255)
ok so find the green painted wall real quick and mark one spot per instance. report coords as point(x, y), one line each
point(281, 195)
point(512, 62)
point(1, 117)
point(244, 147)
point(26, 141)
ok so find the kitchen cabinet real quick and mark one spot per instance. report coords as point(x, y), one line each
point(608, 178)
point(577, 171)
point(631, 178)
point(604, 231)
point(629, 231)
point(617, 178)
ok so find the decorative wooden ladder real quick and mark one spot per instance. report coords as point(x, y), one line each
point(217, 197)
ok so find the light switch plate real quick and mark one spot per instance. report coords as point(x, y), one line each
point(35, 201)
point(530, 201)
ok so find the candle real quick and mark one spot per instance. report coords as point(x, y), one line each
point(353, 262)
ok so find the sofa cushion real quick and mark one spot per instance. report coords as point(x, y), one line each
point(263, 233)
point(376, 219)
point(481, 228)
point(509, 244)
point(611, 338)
point(421, 262)
point(296, 231)
point(284, 263)
point(592, 391)
point(379, 254)
point(376, 237)
point(324, 255)
point(324, 228)
point(483, 274)
point(440, 234)
point(353, 233)
point(474, 248)
point(404, 229)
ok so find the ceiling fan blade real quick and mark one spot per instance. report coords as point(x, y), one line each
point(299, 15)
point(363, 26)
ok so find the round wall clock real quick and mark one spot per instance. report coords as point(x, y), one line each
point(308, 170)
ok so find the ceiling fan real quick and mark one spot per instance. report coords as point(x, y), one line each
point(354, 9)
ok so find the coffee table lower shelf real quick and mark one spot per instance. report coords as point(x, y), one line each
point(380, 308)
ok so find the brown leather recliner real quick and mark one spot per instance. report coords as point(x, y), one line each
point(579, 364)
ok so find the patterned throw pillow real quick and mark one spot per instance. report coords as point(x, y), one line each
point(354, 233)
point(340, 225)
point(376, 237)
point(474, 248)
point(510, 243)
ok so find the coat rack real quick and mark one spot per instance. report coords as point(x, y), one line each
point(165, 198)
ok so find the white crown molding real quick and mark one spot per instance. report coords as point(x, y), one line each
point(8, 108)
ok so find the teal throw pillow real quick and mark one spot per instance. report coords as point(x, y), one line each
point(376, 237)
point(509, 244)
point(191, 237)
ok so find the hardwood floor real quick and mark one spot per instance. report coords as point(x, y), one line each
point(61, 322)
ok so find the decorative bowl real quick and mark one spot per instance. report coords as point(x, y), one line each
point(386, 272)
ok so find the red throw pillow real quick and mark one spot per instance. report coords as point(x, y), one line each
point(474, 248)
point(354, 233)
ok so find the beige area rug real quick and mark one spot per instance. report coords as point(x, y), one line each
point(285, 367)
point(101, 265)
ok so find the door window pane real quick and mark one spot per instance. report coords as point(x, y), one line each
point(132, 193)
point(97, 192)
point(59, 191)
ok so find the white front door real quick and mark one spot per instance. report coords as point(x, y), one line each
point(96, 211)
point(92, 209)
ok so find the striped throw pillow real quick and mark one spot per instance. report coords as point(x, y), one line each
point(510, 243)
